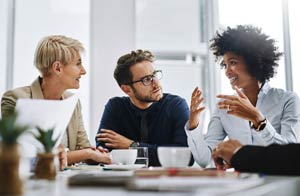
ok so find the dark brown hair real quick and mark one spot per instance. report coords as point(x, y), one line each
point(122, 72)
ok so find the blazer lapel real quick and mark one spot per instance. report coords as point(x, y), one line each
point(36, 89)
point(36, 93)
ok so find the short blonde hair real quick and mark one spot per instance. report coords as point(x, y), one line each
point(55, 48)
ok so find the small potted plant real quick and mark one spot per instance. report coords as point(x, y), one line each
point(45, 167)
point(10, 182)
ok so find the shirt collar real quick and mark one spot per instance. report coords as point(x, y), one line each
point(36, 89)
point(265, 89)
point(153, 107)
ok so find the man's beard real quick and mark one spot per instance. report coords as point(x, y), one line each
point(145, 99)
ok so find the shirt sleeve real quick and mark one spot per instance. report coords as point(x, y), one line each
point(8, 103)
point(109, 120)
point(202, 145)
point(289, 124)
point(273, 159)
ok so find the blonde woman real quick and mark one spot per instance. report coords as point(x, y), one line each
point(58, 59)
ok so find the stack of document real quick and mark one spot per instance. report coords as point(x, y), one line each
point(100, 178)
point(203, 184)
point(159, 171)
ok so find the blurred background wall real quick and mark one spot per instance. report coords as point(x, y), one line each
point(177, 31)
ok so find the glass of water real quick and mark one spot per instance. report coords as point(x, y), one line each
point(142, 155)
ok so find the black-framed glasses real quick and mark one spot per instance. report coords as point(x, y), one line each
point(147, 80)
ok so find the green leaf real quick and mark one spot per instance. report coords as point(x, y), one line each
point(10, 130)
point(45, 138)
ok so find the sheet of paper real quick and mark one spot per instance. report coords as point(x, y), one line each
point(45, 114)
point(199, 184)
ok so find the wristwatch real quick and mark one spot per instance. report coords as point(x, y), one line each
point(261, 125)
point(135, 144)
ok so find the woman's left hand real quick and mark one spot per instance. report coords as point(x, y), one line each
point(240, 106)
point(62, 157)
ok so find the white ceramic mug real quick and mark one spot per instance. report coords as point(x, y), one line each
point(124, 156)
point(174, 156)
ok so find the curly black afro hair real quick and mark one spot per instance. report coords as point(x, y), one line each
point(258, 49)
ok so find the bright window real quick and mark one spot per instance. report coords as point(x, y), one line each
point(294, 7)
point(36, 19)
point(171, 29)
point(3, 31)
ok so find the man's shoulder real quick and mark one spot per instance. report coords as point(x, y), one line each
point(170, 98)
point(118, 102)
point(173, 102)
point(117, 105)
point(174, 107)
point(119, 99)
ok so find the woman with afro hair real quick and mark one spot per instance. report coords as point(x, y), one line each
point(256, 114)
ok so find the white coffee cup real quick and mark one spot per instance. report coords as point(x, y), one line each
point(174, 156)
point(124, 156)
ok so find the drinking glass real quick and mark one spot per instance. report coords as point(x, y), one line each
point(142, 155)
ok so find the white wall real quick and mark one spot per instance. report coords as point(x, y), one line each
point(3, 32)
point(112, 35)
point(36, 19)
point(168, 25)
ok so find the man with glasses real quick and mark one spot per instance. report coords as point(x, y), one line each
point(147, 117)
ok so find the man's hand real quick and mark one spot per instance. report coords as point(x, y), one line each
point(223, 153)
point(113, 139)
point(101, 149)
point(195, 108)
point(240, 106)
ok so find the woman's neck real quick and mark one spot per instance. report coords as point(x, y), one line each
point(252, 91)
point(51, 88)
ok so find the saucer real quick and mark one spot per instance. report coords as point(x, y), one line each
point(123, 167)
